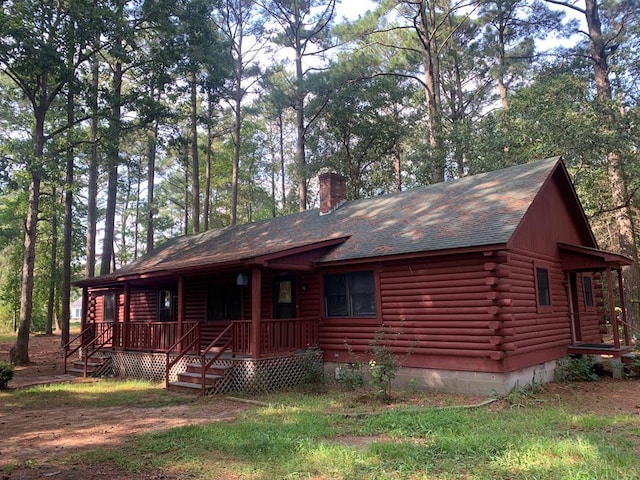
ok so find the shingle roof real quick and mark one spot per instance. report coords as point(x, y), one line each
point(478, 210)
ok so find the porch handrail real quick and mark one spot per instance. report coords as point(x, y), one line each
point(183, 351)
point(86, 342)
point(204, 364)
point(95, 349)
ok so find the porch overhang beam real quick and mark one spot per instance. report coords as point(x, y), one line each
point(577, 258)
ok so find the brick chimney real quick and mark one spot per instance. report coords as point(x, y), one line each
point(333, 191)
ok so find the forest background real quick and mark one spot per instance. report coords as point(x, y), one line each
point(124, 123)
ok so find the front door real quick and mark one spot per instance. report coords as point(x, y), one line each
point(284, 298)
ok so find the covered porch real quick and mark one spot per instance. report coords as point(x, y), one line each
point(252, 310)
point(594, 282)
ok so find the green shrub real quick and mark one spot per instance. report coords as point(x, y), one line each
point(350, 376)
point(382, 367)
point(312, 366)
point(6, 374)
point(576, 369)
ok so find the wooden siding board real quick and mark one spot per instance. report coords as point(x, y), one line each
point(548, 221)
point(532, 331)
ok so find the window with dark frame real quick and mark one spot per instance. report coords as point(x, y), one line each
point(109, 307)
point(544, 290)
point(588, 291)
point(350, 294)
point(224, 302)
point(165, 306)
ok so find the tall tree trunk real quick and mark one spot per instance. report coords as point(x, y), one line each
point(53, 263)
point(152, 142)
point(92, 173)
point(427, 26)
point(282, 172)
point(137, 211)
point(195, 168)
point(108, 256)
point(67, 230)
point(186, 188)
point(19, 354)
point(237, 127)
point(301, 160)
point(208, 173)
point(615, 168)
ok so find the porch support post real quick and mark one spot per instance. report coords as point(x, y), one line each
point(85, 308)
point(181, 310)
point(256, 294)
point(623, 316)
point(126, 316)
point(612, 310)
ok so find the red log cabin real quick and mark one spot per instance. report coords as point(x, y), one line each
point(478, 284)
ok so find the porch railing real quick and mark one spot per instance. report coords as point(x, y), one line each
point(151, 336)
point(188, 343)
point(277, 336)
point(88, 342)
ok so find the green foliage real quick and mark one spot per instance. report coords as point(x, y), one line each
point(6, 374)
point(313, 366)
point(382, 367)
point(350, 376)
point(576, 369)
point(291, 441)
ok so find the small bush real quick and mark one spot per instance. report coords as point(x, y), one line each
point(382, 367)
point(350, 376)
point(6, 374)
point(576, 369)
point(312, 365)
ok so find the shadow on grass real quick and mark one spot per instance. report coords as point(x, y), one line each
point(104, 393)
point(289, 443)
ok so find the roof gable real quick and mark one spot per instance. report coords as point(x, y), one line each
point(474, 211)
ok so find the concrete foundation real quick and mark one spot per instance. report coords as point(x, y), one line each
point(473, 383)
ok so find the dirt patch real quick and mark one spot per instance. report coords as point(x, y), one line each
point(39, 435)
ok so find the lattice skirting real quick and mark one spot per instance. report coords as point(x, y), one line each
point(147, 366)
point(245, 375)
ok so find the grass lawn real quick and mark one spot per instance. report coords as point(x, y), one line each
point(335, 434)
point(312, 437)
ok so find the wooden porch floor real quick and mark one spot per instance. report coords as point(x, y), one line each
point(598, 349)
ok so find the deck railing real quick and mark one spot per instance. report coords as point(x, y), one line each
point(91, 339)
point(150, 336)
point(277, 336)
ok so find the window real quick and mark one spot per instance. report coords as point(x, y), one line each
point(109, 307)
point(543, 287)
point(588, 291)
point(165, 306)
point(350, 295)
point(224, 302)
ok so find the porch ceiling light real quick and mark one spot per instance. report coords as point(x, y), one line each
point(242, 279)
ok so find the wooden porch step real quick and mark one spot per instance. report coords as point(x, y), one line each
point(213, 369)
point(93, 366)
point(191, 377)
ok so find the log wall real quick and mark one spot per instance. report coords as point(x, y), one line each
point(474, 312)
